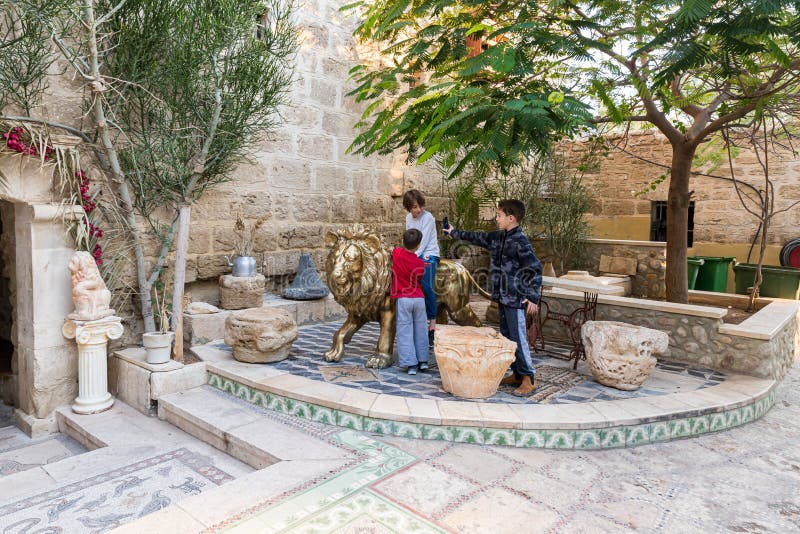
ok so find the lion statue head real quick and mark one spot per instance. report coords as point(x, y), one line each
point(358, 270)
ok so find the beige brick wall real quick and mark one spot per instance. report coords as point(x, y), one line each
point(719, 218)
point(300, 176)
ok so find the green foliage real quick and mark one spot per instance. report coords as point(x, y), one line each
point(556, 201)
point(187, 62)
point(26, 51)
point(688, 67)
point(475, 112)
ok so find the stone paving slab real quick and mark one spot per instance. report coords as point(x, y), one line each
point(744, 480)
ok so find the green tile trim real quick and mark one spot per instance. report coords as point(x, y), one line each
point(587, 439)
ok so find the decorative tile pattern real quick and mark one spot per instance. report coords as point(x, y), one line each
point(603, 438)
point(327, 505)
point(105, 501)
point(558, 383)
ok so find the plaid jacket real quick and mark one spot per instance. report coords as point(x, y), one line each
point(515, 269)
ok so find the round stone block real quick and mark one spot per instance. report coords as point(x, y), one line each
point(622, 355)
point(240, 292)
point(472, 360)
point(260, 335)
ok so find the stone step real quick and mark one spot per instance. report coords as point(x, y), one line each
point(242, 431)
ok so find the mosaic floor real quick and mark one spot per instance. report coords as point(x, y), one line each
point(105, 501)
point(558, 383)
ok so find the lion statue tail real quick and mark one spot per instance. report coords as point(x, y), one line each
point(481, 291)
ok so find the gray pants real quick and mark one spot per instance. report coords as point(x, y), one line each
point(412, 332)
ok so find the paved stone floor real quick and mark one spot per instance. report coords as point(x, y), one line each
point(558, 383)
point(744, 480)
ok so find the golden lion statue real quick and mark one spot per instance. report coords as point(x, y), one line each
point(359, 275)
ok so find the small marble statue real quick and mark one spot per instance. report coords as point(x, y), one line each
point(89, 292)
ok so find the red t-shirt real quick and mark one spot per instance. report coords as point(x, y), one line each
point(407, 271)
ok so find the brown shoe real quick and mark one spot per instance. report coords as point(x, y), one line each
point(511, 380)
point(527, 387)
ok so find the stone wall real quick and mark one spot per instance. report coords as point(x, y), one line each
point(620, 212)
point(698, 334)
point(650, 256)
point(301, 178)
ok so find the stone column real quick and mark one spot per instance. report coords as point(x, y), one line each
point(92, 338)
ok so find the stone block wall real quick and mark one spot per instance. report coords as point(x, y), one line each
point(301, 178)
point(620, 210)
point(650, 256)
point(695, 338)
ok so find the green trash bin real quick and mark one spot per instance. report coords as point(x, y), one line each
point(713, 274)
point(693, 269)
point(777, 282)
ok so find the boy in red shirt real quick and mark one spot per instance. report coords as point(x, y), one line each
point(412, 322)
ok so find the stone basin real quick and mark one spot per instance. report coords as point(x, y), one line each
point(622, 355)
point(472, 360)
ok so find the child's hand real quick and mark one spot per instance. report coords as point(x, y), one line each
point(447, 231)
point(531, 308)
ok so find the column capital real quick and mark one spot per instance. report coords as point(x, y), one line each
point(93, 332)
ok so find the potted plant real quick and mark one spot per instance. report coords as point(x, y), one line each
point(158, 345)
point(244, 263)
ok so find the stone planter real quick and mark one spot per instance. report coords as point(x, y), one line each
point(622, 355)
point(472, 360)
point(158, 346)
point(260, 335)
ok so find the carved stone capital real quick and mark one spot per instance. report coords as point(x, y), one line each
point(93, 332)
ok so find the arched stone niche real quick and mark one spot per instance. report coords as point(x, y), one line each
point(44, 364)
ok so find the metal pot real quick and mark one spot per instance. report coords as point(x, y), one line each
point(243, 266)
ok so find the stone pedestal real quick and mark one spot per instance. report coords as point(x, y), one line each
point(260, 335)
point(240, 292)
point(92, 339)
point(472, 360)
point(622, 355)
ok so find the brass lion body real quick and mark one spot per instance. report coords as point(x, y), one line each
point(358, 272)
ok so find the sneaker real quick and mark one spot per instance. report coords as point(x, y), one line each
point(423, 366)
point(412, 370)
point(431, 335)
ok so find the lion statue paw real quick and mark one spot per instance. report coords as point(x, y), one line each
point(379, 361)
point(333, 355)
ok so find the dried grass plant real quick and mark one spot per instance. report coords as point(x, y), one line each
point(246, 234)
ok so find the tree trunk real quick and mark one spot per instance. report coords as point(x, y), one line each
point(678, 223)
point(179, 281)
point(98, 111)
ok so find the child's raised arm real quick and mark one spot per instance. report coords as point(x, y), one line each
point(481, 239)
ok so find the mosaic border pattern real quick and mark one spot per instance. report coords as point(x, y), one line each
point(586, 439)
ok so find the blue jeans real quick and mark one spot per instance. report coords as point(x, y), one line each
point(427, 286)
point(512, 326)
point(412, 332)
